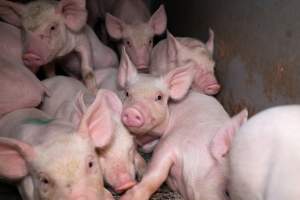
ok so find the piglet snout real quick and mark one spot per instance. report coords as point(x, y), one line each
point(131, 117)
point(125, 186)
point(32, 60)
point(212, 89)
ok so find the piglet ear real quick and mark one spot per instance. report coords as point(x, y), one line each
point(114, 26)
point(97, 122)
point(113, 101)
point(158, 20)
point(127, 70)
point(74, 12)
point(14, 156)
point(221, 142)
point(173, 46)
point(210, 41)
point(179, 81)
point(12, 12)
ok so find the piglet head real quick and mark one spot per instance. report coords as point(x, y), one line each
point(119, 158)
point(44, 27)
point(64, 167)
point(146, 102)
point(182, 51)
point(137, 38)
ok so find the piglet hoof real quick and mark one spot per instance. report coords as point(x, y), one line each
point(135, 194)
point(90, 82)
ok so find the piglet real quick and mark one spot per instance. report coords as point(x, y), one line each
point(51, 159)
point(19, 87)
point(52, 29)
point(192, 134)
point(178, 51)
point(120, 160)
point(264, 158)
point(131, 22)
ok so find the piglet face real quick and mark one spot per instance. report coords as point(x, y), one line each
point(138, 41)
point(145, 105)
point(44, 27)
point(137, 37)
point(44, 34)
point(75, 174)
point(66, 168)
point(188, 51)
point(121, 163)
point(146, 102)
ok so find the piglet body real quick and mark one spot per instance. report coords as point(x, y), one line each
point(190, 135)
point(120, 160)
point(264, 158)
point(131, 22)
point(49, 158)
point(51, 30)
point(174, 52)
point(19, 87)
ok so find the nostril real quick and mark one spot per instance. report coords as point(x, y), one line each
point(138, 117)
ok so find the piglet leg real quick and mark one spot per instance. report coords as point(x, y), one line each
point(156, 174)
point(85, 52)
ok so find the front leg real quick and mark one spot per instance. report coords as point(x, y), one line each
point(85, 52)
point(157, 172)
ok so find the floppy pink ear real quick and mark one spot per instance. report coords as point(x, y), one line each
point(221, 142)
point(127, 70)
point(97, 122)
point(158, 20)
point(12, 12)
point(72, 110)
point(113, 101)
point(114, 26)
point(74, 12)
point(173, 47)
point(14, 156)
point(210, 41)
point(179, 81)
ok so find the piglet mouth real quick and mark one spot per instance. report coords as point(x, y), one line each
point(32, 60)
point(142, 66)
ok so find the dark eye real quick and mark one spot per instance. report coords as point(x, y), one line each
point(127, 94)
point(53, 27)
point(128, 43)
point(159, 97)
point(44, 180)
point(150, 41)
point(91, 164)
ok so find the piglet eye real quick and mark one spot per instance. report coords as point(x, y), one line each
point(127, 94)
point(91, 164)
point(128, 43)
point(150, 41)
point(159, 97)
point(44, 180)
point(53, 27)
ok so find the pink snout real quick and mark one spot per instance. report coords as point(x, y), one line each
point(32, 60)
point(125, 186)
point(131, 117)
point(212, 89)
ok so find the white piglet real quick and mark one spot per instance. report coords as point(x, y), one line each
point(265, 156)
point(180, 51)
point(119, 159)
point(131, 22)
point(51, 159)
point(192, 135)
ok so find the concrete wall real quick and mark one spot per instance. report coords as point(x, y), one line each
point(256, 47)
